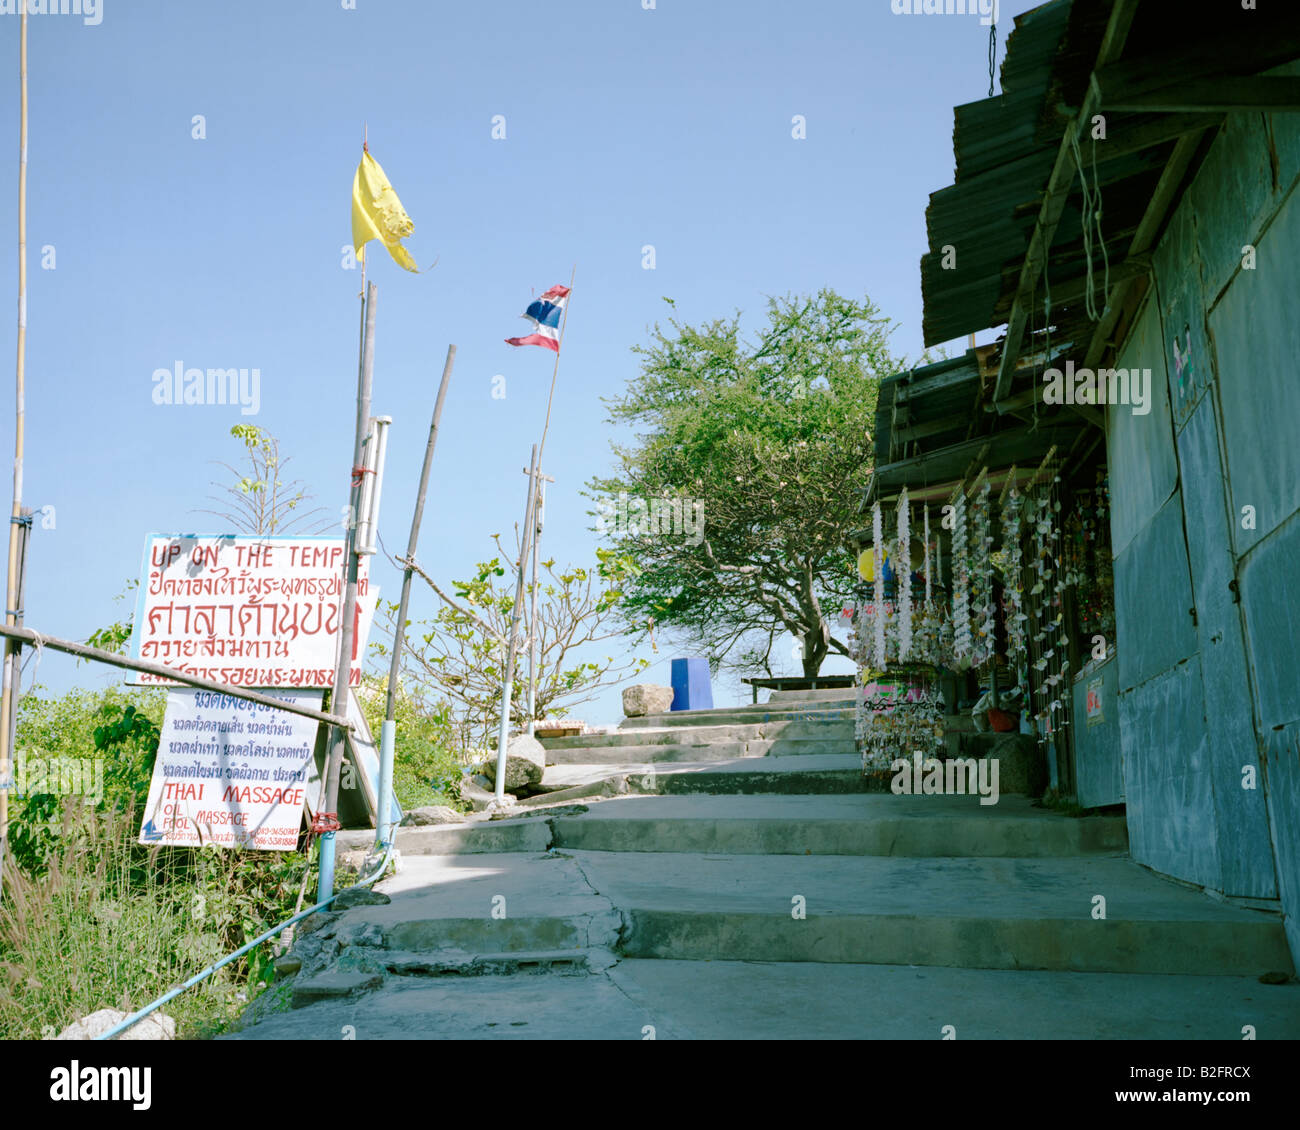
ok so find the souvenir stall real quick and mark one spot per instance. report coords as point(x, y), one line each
point(1001, 587)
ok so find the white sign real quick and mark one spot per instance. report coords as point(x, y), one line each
point(248, 611)
point(230, 772)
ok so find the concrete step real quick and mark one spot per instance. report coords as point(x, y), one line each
point(825, 694)
point(705, 751)
point(884, 825)
point(473, 837)
point(646, 754)
point(969, 913)
point(813, 712)
point(797, 775)
point(456, 907)
point(741, 1000)
point(462, 964)
point(831, 730)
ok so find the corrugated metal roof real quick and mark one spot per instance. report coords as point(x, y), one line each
point(1005, 148)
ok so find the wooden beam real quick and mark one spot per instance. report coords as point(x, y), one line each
point(1034, 395)
point(1222, 94)
point(1054, 198)
point(934, 427)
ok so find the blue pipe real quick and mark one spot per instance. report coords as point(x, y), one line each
point(325, 881)
point(136, 1017)
point(384, 822)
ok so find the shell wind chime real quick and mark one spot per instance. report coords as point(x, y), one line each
point(903, 580)
point(962, 643)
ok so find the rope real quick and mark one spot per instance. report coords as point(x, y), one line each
point(1091, 219)
point(324, 822)
point(992, 55)
point(358, 472)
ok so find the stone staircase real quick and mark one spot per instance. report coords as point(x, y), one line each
point(713, 842)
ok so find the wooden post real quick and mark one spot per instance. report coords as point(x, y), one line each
point(7, 702)
point(538, 519)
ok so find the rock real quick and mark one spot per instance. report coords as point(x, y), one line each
point(1022, 766)
point(521, 774)
point(314, 922)
point(360, 896)
point(333, 984)
point(155, 1026)
point(473, 792)
point(287, 966)
point(527, 747)
point(431, 814)
point(646, 698)
point(505, 805)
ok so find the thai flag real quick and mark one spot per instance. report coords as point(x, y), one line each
point(545, 314)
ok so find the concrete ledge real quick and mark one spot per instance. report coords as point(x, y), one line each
point(1074, 945)
point(482, 836)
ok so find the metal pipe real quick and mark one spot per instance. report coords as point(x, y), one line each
point(83, 651)
point(516, 615)
point(136, 1017)
point(384, 831)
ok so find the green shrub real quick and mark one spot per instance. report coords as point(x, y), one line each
point(426, 769)
point(91, 918)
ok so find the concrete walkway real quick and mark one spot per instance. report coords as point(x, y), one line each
point(770, 896)
point(736, 1000)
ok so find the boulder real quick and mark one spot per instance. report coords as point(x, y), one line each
point(527, 747)
point(155, 1026)
point(431, 814)
point(521, 774)
point(1022, 765)
point(646, 698)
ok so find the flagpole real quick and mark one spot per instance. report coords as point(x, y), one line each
point(516, 614)
point(559, 346)
point(530, 518)
point(537, 533)
point(7, 703)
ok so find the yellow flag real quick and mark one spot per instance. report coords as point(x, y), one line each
point(378, 214)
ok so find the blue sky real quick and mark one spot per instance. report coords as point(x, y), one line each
point(624, 127)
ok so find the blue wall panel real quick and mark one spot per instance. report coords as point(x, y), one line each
point(1167, 781)
point(1153, 598)
point(1098, 757)
point(1246, 854)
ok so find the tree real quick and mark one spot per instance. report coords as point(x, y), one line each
point(767, 446)
point(263, 502)
point(460, 654)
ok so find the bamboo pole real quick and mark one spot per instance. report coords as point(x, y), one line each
point(388, 734)
point(11, 584)
point(327, 808)
point(411, 542)
point(14, 687)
